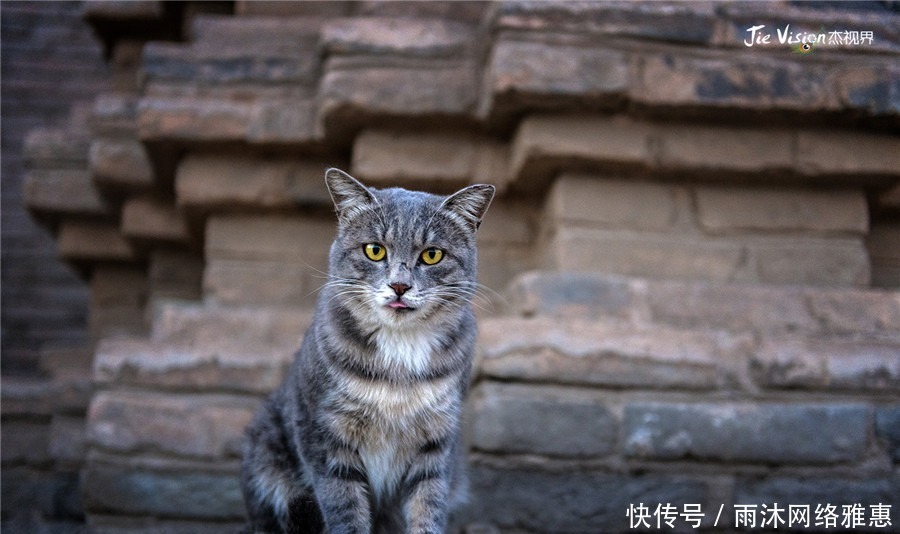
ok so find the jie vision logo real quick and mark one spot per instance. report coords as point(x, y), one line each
point(805, 41)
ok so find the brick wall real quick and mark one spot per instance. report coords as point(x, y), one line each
point(51, 62)
point(678, 268)
point(52, 67)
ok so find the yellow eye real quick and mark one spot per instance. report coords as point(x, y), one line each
point(432, 255)
point(375, 252)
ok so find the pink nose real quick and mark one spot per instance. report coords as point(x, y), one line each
point(399, 288)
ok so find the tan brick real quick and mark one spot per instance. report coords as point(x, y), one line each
point(63, 192)
point(121, 163)
point(523, 73)
point(175, 274)
point(228, 364)
point(827, 364)
point(199, 325)
point(151, 218)
point(591, 200)
point(298, 239)
point(508, 222)
point(285, 120)
point(589, 352)
point(113, 286)
point(724, 148)
point(820, 262)
point(212, 182)
point(261, 282)
point(655, 255)
point(724, 209)
point(883, 244)
point(387, 157)
point(199, 426)
point(197, 119)
point(830, 152)
point(93, 241)
point(415, 37)
point(543, 143)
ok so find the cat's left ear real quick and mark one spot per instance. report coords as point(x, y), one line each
point(349, 196)
point(470, 203)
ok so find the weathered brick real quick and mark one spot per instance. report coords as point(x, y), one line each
point(214, 60)
point(172, 493)
point(93, 241)
point(231, 365)
point(114, 114)
point(521, 74)
point(195, 324)
point(175, 274)
point(283, 121)
point(217, 182)
point(508, 222)
point(197, 426)
point(585, 352)
point(820, 262)
point(768, 432)
point(120, 163)
point(653, 255)
point(263, 282)
point(737, 308)
point(831, 152)
point(25, 442)
point(846, 311)
point(154, 219)
point(572, 294)
point(887, 428)
point(826, 364)
point(350, 93)
point(550, 421)
point(113, 287)
point(59, 192)
point(722, 209)
point(683, 23)
point(716, 148)
point(387, 157)
point(55, 148)
point(120, 524)
point(297, 239)
point(580, 501)
point(544, 143)
point(745, 80)
point(591, 200)
point(67, 444)
point(415, 37)
point(193, 119)
point(883, 244)
point(821, 490)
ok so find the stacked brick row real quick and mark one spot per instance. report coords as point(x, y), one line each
point(727, 207)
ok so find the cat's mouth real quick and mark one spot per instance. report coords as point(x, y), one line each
point(399, 305)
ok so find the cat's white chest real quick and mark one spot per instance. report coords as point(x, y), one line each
point(408, 348)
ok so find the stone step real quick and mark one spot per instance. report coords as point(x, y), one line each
point(765, 309)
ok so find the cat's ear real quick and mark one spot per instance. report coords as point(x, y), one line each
point(470, 203)
point(349, 196)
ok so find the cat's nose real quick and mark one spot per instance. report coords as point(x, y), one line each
point(399, 288)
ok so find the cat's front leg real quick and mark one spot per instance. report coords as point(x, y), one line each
point(426, 505)
point(341, 488)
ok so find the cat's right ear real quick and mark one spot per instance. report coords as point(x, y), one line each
point(349, 196)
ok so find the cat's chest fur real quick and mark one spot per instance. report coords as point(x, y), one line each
point(391, 419)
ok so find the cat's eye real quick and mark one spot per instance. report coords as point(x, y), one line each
point(432, 255)
point(375, 252)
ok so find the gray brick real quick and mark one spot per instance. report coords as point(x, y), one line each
point(743, 432)
point(534, 501)
point(175, 494)
point(887, 428)
point(542, 420)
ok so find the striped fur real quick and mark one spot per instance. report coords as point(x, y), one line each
point(363, 435)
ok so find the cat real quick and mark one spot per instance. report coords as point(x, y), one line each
point(363, 435)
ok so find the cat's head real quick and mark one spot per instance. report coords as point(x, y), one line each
point(403, 257)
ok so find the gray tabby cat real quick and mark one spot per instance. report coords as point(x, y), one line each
point(364, 434)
